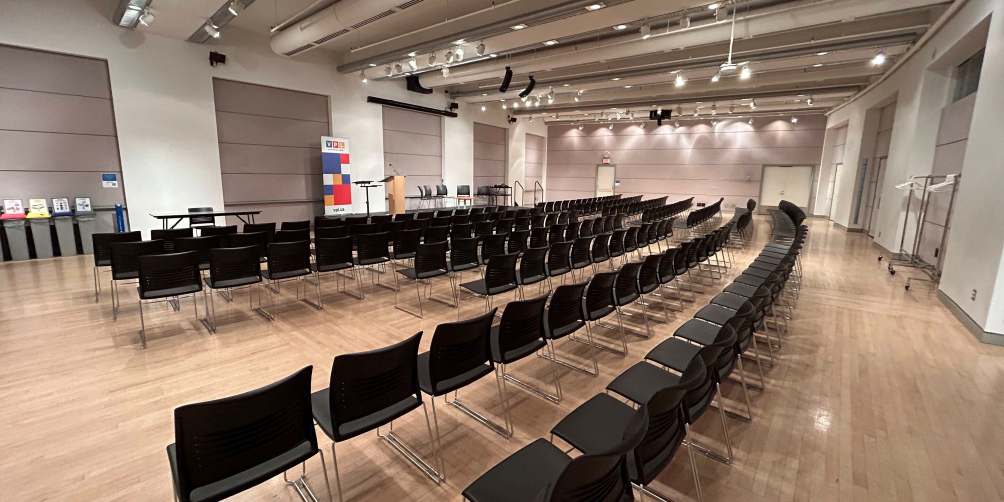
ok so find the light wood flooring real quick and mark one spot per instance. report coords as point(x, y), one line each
point(878, 394)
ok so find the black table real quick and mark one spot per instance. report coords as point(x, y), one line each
point(245, 216)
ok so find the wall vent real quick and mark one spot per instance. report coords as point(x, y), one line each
point(375, 18)
point(336, 34)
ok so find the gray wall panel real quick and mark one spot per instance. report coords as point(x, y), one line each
point(490, 134)
point(396, 119)
point(40, 151)
point(63, 113)
point(240, 97)
point(54, 73)
point(256, 130)
point(260, 159)
point(271, 187)
point(415, 165)
point(37, 184)
point(411, 143)
point(490, 155)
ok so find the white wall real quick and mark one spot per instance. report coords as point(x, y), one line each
point(163, 100)
point(922, 87)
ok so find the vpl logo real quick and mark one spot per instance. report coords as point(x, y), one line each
point(327, 144)
point(335, 144)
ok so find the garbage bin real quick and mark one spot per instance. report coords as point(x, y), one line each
point(17, 239)
point(85, 223)
point(64, 233)
point(42, 237)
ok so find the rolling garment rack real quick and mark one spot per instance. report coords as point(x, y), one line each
point(927, 186)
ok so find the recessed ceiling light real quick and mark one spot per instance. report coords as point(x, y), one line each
point(620, 27)
point(595, 6)
point(627, 86)
point(412, 54)
point(372, 65)
point(817, 65)
point(459, 42)
point(493, 55)
point(745, 72)
point(879, 59)
point(550, 42)
point(822, 53)
point(714, 6)
point(566, 85)
point(616, 78)
point(519, 26)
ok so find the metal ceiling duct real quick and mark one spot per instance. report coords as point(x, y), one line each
point(128, 11)
point(334, 21)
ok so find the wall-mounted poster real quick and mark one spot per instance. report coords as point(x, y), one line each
point(337, 175)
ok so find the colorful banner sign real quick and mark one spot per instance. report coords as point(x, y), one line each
point(337, 175)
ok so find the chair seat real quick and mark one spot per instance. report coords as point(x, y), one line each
point(729, 300)
point(750, 280)
point(107, 262)
point(641, 381)
point(125, 276)
point(479, 287)
point(232, 283)
point(561, 331)
point(248, 478)
point(514, 354)
point(699, 331)
point(533, 279)
point(402, 256)
point(596, 425)
point(320, 403)
point(622, 301)
point(331, 267)
point(371, 261)
point(648, 288)
point(522, 477)
point(153, 294)
point(428, 274)
point(461, 267)
point(715, 313)
point(289, 274)
point(757, 272)
point(450, 384)
point(740, 289)
point(557, 271)
point(581, 264)
point(600, 313)
point(674, 353)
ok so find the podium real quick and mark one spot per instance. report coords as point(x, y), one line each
point(395, 194)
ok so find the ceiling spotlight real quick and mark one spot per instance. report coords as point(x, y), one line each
point(460, 54)
point(550, 42)
point(680, 80)
point(432, 59)
point(413, 64)
point(685, 22)
point(679, 110)
point(481, 49)
point(642, 125)
point(817, 65)
point(879, 59)
point(537, 102)
point(745, 72)
point(576, 99)
point(697, 112)
point(714, 110)
point(446, 72)
point(580, 127)
point(615, 79)
point(611, 126)
point(531, 118)
point(449, 56)
point(506, 80)
point(412, 54)
point(550, 93)
point(518, 26)
point(716, 77)
point(236, 7)
point(822, 53)
point(646, 31)
point(362, 76)
point(504, 106)
point(721, 15)
point(460, 42)
point(751, 120)
point(620, 27)
point(397, 68)
point(147, 18)
point(714, 6)
point(627, 86)
point(677, 124)
point(493, 55)
point(595, 6)
point(483, 107)
point(388, 71)
point(212, 30)
point(752, 104)
point(529, 88)
point(515, 104)
point(794, 119)
point(372, 65)
point(631, 115)
point(732, 108)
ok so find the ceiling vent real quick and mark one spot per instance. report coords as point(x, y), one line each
point(298, 50)
point(375, 18)
point(408, 4)
point(332, 36)
point(341, 17)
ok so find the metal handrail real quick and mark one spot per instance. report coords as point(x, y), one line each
point(522, 195)
point(535, 185)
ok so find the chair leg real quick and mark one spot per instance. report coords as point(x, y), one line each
point(142, 326)
point(97, 285)
point(338, 479)
point(693, 464)
point(439, 440)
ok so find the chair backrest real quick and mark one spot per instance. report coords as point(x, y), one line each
point(235, 263)
point(220, 231)
point(667, 266)
point(699, 398)
point(160, 273)
point(602, 477)
point(430, 259)
point(168, 236)
point(325, 222)
point(556, 233)
point(372, 247)
point(288, 257)
point(428, 191)
point(406, 242)
point(404, 216)
point(484, 190)
point(460, 347)
point(750, 205)
point(565, 308)
point(218, 439)
point(356, 220)
point(330, 252)
point(425, 215)
point(493, 245)
point(125, 255)
point(500, 271)
point(296, 225)
point(517, 241)
point(631, 239)
point(436, 234)
point(464, 252)
point(626, 287)
point(441, 190)
point(249, 239)
point(441, 221)
point(201, 245)
point(102, 245)
point(558, 255)
point(532, 264)
point(580, 251)
point(600, 247)
point(460, 231)
point(464, 190)
point(648, 276)
point(292, 235)
point(330, 232)
point(522, 324)
point(201, 220)
point(599, 294)
point(381, 218)
point(266, 228)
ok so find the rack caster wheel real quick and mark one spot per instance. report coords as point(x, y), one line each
point(880, 257)
point(907, 287)
point(892, 272)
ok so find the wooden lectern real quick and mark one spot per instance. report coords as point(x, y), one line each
point(395, 194)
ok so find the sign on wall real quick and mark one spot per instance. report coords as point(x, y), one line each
point(337, 175)
point(109, 180)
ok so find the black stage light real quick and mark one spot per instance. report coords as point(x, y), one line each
point(505, 81)
point(659, 115)
point(526, 92)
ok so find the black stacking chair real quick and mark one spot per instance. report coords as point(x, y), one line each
point(356, 220)
point(460, 231)
point(594, 427)
point(572, 231)
point(430, 262)
point(504, 226)
point(586, 229)
point(371, 250)
point(556, 233)
point(266, 228)
point(631, 243)
point(332, 256)
point(222, 232)
point(125, 265)
point(368, 390)
point(675, 353)
point(201, 245)
point(325, 222)
point(517, 241)
point(600, 252)
point(252, 239)
point(667, 275)
point(483, 229)
point(491, 246)
point(381, 218)
point(404, 217)
point(290, 261)
point(463, 256)
point(405, 244)
point(522, 223)
point(558, 261)
point(649, 281)
point(295, 225)
point(227, 446)
point(538, 221)
point(231, 268)
point(581, 256)
point(532, 270)
point(626, 292)
point(520, 334)
point(330, 232)
point(201, 220)
point(435, 234)
point(168, 277)
point(599, 303)
point(459, 355)
point(440, 221)
point(562, 318)
point(169, 235)
point(615, 248)
point(731, 357)
point(101, 245)
point(541, 472)
point(538, 237)
point(499, 278)
point(292, 235)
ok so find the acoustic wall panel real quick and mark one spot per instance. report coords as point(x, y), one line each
point(490, 154)
point(696, 159)
point(413, 147)
point(57, 129)
point(536, 147)
point(270, 150)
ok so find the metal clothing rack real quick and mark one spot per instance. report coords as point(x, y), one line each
point(928, 186)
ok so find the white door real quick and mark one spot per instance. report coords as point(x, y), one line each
point(606, 175)
point(790, 183)
point(830, 186)
point(838, 180)
point(876, 196)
